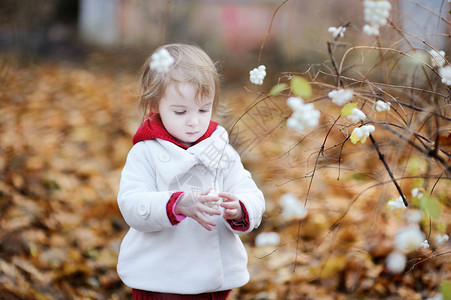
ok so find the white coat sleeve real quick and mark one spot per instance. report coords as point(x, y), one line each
point(141, 205)
point(238, 181)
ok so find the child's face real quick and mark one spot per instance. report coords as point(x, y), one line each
point(183, 117)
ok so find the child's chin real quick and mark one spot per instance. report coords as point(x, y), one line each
point(187, 141)
point(191, 138)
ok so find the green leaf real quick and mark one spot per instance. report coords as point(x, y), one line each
point(301, 87)
point(415, 164)
point(278, 88)
point(445, 289)
point(431, 206)
point(347, 109)
point(441, 227)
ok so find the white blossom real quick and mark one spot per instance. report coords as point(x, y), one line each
point(304, 115)
point(370, 30)
point(396, 204)
point(337, 31)
point(292, 207)
point(161, 60)
point(414, 216)
point(396, 262)
point(367, 129)
point(445, 73)
point(409, 238)
point(267, 239)
point(425, 244)
point(376, 13)
point(441, 238)
point(359, 134)
point(438, 58)
point(382, 106)
point(340, 97)
point(416, 193)
point(356, 115)
point(257, 75)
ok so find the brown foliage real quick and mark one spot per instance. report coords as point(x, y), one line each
point(64, 134)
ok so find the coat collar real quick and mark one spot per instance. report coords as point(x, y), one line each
point(153, 128)
point(213, 152)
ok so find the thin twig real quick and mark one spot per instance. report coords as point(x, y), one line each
point(269, 31)
point(341, 218)
point(382, 158)
point(380, 49)
point(320, 152)
point(334, 64)
point(428, 258)
point(426, 151)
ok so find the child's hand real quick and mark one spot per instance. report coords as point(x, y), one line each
point(195, 206)
point(232, 206)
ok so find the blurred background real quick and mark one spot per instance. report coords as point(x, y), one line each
point(69, 73)
point(232, 32)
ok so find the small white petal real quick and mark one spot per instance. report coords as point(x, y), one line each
point(382, 106)
point(445, 73)
point(304, 115)
point(438, 58)
point(409, 238)
point(292, 123)
point(425, 244)
point(257, 75)
point(441, 238)
point(398, 203)
point(370, 30)
point(161, 61)
point(370, 128)
point(267, 239)
point(292, 207)
point(358, 132)
point(414, 216)
point(340, 97)
point(396, 262)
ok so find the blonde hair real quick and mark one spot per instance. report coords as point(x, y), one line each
point(191, 65)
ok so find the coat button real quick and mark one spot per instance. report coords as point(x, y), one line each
point(164, 157)
point(142, 209)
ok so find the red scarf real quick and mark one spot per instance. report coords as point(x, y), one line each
point(153, 128)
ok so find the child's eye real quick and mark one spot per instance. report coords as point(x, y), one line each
point(204, 110)
point(179, 112)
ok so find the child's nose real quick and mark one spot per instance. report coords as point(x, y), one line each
point(193, 121)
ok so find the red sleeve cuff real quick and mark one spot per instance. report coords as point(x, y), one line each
point(242, 225)
point(173, 217)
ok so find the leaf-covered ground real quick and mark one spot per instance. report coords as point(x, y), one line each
point(65, 132)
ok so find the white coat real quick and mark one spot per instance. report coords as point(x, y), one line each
point(184, 258)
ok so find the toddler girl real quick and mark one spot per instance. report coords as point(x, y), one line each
point(184, 191)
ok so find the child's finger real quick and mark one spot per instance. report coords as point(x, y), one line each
point(210, 210)
point(208, 199)
point(228, 196)
point(230, 213)
point(231, 204)
point(205, 192)
point(204, 221)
